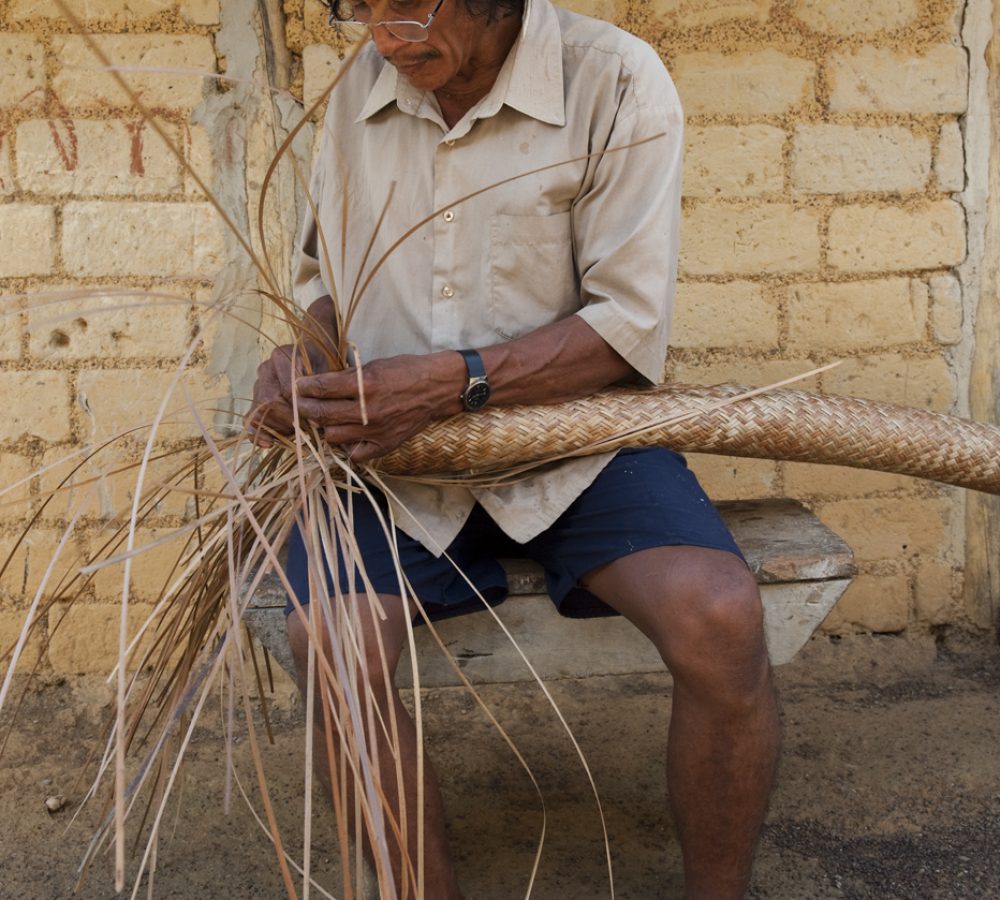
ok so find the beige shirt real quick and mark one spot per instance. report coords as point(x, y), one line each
point(594, 237)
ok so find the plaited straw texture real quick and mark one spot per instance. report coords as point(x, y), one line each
point(779, 424)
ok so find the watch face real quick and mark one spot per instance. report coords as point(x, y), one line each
point(476, 395)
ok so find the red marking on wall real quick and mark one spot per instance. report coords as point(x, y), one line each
point(135, 129)
point(64, 137)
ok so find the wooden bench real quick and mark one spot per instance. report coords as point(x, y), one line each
point(801, 566)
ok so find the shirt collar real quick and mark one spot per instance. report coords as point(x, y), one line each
point(531, 80)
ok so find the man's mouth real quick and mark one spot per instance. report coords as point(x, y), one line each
point(409, 66)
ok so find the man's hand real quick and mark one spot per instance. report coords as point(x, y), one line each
point(402, 395)
point(272, 411)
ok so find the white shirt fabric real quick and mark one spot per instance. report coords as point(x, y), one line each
point(596, 235)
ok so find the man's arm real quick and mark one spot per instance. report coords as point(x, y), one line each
point(404, 394)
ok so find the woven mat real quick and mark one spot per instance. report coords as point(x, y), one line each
point(780, 425)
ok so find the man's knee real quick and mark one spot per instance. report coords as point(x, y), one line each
point(717, 630)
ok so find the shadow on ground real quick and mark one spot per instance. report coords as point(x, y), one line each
point(889, 787)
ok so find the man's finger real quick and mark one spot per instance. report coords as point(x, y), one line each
point(345, 434)
point(329, 385)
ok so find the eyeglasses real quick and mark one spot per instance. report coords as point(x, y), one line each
point(345, 12)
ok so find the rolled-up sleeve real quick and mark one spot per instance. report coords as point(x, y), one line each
point(626, 227)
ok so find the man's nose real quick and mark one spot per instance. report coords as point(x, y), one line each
point(385, 42)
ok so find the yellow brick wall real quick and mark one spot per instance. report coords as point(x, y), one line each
point(822, 220)
point(94, 207)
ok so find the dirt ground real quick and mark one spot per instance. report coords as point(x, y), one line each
point(889, 786)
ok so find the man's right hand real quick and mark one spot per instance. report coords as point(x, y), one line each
point(271, 413)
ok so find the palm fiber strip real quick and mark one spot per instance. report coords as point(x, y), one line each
point(780, 424)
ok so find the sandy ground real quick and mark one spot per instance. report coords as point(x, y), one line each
point(889, 786)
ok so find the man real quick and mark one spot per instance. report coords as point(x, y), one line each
point(554, 285)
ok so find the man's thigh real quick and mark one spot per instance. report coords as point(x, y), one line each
point(642, 500)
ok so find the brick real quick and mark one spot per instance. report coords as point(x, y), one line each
point(27, 239)
point(11, 625)
point(935, 592)
point(764, 82)
point(949, 162)
point(844, 159)
point(86, 641)
point(14, 486)
point(77, 82)
point(947, 312)
point(6, 166)
point(89, 11)
point(94, 157)
point(738, 314)
point(199, 156)
point(93, 322)
point(10, 329)
point(890, 528)
point(730, 478)
point(847, 316)
point(108, 481)
point(104, 486)
point(925, 383)
point(153, 569)
point(30, 561)
point(320, 63)
point(733, 161)
point(770, 238)
point(877, 79)
point(807, 481)
point(174, 240)
point(200, 12)
point(115, 400)
point(37, 404)
point(693, 14)
point(22, 72)
point(889, 238)
point(873, 603)
point(849, 17)
point(750, 372)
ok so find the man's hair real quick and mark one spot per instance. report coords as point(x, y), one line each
point(491, 9)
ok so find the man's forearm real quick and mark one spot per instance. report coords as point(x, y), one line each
point(556, 362)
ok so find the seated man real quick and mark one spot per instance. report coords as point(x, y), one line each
point(548, 286)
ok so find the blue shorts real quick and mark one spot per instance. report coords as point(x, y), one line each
point(641, 499)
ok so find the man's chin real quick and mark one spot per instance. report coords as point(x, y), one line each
point(420, 74)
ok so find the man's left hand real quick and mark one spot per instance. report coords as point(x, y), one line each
point(402, 395)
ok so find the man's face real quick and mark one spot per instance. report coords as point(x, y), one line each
point(455, 40)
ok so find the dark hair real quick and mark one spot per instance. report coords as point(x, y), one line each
point(341, 10)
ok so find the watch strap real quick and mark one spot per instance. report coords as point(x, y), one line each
point(473, 364)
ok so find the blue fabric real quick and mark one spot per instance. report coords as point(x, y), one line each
point(642, 499)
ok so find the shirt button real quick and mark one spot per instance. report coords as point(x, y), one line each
point(449, 216)
point(449, 143)
point(447, 291)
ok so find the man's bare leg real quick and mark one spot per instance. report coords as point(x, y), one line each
point(701, 609)
point(439, 875)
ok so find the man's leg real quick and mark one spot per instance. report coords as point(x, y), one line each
point(439, 876)
point(701, 608)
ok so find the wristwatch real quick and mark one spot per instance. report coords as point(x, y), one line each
point(477, 392)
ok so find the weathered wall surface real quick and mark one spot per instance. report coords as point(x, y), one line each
point(92, 201)
point(837, 206)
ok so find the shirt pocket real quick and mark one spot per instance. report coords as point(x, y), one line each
point(531, 271)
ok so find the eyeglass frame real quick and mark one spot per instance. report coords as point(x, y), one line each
point(335, 20)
